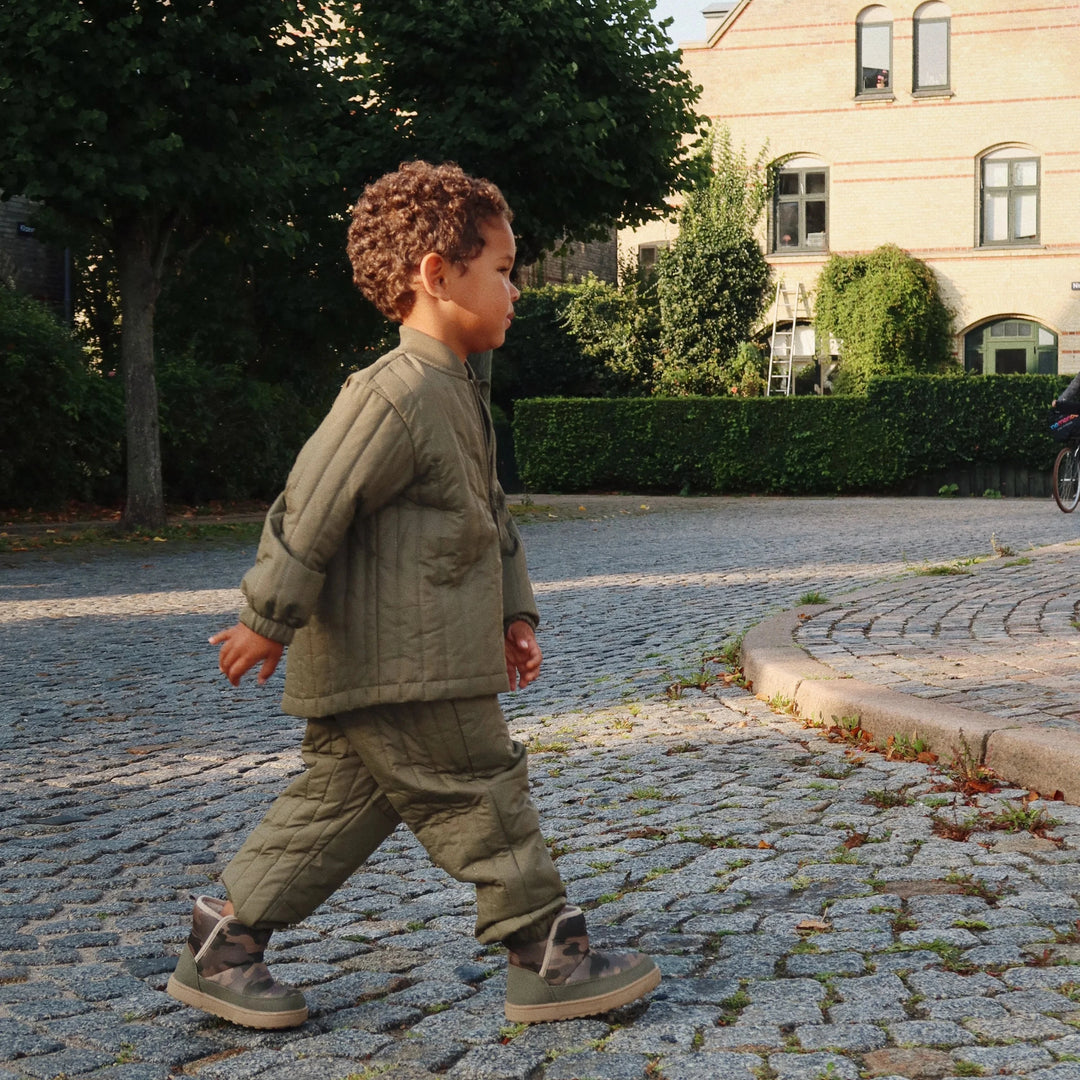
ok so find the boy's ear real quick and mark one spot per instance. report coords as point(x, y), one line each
point(432, 275)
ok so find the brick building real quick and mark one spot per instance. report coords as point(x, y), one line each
point(949, 129)
point(27, 265)
point(575, 262)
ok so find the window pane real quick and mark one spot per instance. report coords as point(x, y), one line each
point(787, 225)
point(875, 56)
point(815, 223)
point(815, 183)
point(1025, 214)
point(997, 174)
point(788, 183)
point(932, 49)
point(996, 217)
point(1025, 173)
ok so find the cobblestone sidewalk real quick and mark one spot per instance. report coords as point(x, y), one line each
point(810, 913)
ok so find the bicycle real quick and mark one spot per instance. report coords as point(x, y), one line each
point(1066, 477)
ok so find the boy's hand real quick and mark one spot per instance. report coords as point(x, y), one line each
point(523, 654)
point(242, 649)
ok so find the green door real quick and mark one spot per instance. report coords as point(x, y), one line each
point(1011, 347)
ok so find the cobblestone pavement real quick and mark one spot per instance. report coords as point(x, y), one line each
point(998, 636)
point(817, 911)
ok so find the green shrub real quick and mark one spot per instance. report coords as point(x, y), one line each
point(946, 420)
point(712, 281)
point(226, 434)
point(61, 418)
point(697, 444)
point(618, 328)
point(905, 427)
point(541, 356)
point(886, 310)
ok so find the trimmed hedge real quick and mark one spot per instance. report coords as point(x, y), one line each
point(905, 427)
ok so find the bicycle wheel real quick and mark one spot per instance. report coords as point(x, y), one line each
point(1067, 479)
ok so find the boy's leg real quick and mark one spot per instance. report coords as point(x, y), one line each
point(314, 836)
point(460, 783)
point(316, 833)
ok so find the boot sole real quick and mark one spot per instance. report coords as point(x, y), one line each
point(589, 1006)
point(236, 1014)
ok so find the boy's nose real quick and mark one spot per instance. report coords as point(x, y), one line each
point(515, 293)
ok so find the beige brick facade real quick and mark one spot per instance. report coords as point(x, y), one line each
point(908, 166)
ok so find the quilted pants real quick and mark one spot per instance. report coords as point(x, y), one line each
point(449, 770)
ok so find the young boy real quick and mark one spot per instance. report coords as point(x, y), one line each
point(391, 568)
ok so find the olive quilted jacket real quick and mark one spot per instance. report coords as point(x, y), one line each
point(390, 565)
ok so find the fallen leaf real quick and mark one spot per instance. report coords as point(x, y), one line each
point(814, 925)
point(764, 844)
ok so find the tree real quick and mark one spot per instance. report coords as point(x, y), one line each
point(151, 125)
point(578, 109)
point(713, 279)
point(246, 129)
point(887, 312)
point(618, 326)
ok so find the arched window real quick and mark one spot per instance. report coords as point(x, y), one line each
point(931, 74)
point(1009, 200)
point(1011, 346)
point(801, 206)
point(873, 71)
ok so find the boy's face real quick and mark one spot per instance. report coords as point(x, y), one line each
point(481, 295)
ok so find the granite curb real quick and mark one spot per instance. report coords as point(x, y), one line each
point(779, 669)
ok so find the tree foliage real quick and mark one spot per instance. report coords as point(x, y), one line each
point(148, 126)
point(618, 326)
point(541, 356)
point(887, 312)
point(713, 279)
point(206, 154)
point(577, 110)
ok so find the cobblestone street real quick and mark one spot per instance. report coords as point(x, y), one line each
point(818, 911)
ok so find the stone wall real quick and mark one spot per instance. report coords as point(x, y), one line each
point(26, 264)
point(599, 257)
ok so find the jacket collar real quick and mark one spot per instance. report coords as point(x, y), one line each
point(423, 347)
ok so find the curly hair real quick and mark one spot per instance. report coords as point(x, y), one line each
point(404, 215)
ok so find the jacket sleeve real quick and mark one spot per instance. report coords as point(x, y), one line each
point(360, 457)
point(518, 599)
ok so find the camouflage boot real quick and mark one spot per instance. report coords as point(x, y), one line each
point(560, 977)
point(221, 971)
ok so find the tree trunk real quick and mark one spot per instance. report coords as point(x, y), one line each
point(139, 271)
